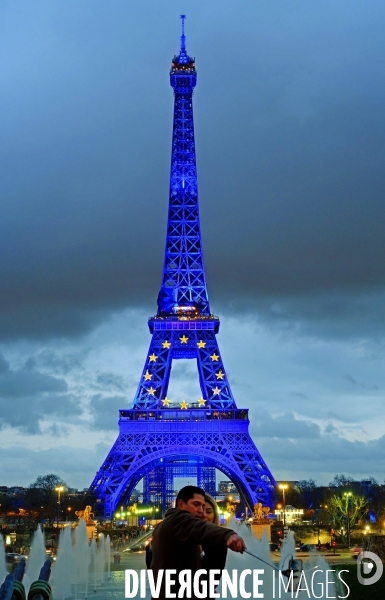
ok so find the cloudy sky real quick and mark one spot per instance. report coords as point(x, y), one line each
point(290, 129)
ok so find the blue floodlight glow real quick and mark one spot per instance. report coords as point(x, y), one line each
point(160, 440)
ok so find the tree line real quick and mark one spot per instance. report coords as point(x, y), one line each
point(41, 500)
point(342, 504)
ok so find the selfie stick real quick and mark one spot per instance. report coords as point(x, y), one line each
point(286, 572)
point(261, 559)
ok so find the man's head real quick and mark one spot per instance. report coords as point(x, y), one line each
point(191, 499)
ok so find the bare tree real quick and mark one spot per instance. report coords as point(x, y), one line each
point(42, 492)
point(341, 481)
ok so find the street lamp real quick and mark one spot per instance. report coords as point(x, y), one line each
point(348, 495)
point(58, 489)
point(283, 487)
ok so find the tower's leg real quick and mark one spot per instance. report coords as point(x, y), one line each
point(152, 486)
point(168, 494)
point(158, 486)
point(206, 479)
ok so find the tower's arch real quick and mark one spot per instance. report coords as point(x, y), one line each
point(204, 439)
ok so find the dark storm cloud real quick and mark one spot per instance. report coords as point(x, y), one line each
point(110, 381)
point(323, 315)
point(19, 382)
point(105, 411)
point(73, 464)
point(57, 430)
point(285, 426)
point(62, 363)
point(329, 454)
point(309, 174)
point(27, 396)
point(290, 135)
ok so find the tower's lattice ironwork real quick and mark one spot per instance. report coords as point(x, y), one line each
point(158, 439)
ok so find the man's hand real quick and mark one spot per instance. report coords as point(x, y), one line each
point(236, 543)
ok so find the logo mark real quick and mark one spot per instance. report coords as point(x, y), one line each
point(365, 566)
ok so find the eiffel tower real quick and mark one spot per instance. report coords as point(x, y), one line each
point(159, 440)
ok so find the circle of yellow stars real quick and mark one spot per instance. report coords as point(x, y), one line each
point(166, 345)
point(166, 402)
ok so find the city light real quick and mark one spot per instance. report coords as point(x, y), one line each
point(283, 487)
point(136, 511)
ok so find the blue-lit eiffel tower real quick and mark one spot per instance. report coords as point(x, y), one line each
point(160, 440)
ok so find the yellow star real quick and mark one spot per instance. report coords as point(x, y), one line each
point(147, 376)
point(201, 344)
point(220, 374)
point(151, 391)
point(183, 339)
point(201, 401)
point(166, 402)
point(216, 391)
point(153, 358)
point(166, 344)
point(183, 404)
point(214, 357)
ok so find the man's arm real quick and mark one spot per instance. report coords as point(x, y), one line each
point(189, 528)
point(236, 543)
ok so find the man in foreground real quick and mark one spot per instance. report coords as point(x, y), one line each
point(177, 539)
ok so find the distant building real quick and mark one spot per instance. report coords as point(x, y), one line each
point(292, 515)
point(16, 491)
point(226, 487)
point(135, 495)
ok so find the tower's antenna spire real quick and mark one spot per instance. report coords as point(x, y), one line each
point(183, 37)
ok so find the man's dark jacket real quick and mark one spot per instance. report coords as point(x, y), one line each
point(176, 543)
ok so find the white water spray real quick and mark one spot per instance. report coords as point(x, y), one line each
point(314, 569)
point(3, 568)
point(37, 557)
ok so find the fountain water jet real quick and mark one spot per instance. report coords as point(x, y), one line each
point(81, 557)
point(80, 565)
point(64, 568)
point(36, 559)
point(81, 568)
point(271, 578)
point(3, 567)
